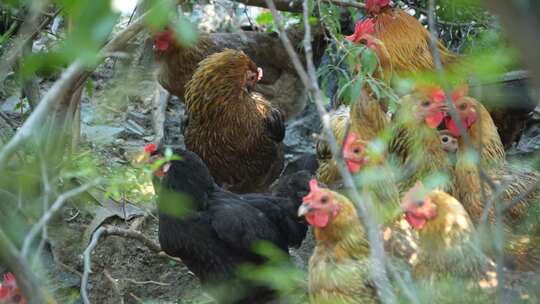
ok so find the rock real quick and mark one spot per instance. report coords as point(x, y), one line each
point(299, 134)
point(101, 134)
point(12, 105)
point(530, 138)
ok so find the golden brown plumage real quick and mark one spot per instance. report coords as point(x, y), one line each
point(445, 237)
point(366, 119)
point(406, 40)
point(339, 268)
point(415, 144)
point(514, 180)
point(235, 131)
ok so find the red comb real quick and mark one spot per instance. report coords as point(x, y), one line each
point(163, 40)
point(437, 95)
point(365, 27)
point(313, 189)
point(150, 148)
point(372, 4)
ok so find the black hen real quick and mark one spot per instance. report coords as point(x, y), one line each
point(217, 232)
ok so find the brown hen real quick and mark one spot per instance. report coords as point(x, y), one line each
point(234, 130)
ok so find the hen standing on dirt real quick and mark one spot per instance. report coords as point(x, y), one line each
point(218, 231)
point(235, 131)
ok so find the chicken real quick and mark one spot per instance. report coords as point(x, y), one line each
point(407, 42)
point(514, 180)
point(213, 231)
point(447, 250)
point(236, 131)
point(366, 120)
point(281, 85)
point(415, 145)
point(10, 292)
point(338, 268)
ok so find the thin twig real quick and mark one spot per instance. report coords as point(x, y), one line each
point(147, 282)
point(295, 6)
point(46, 217)
point(114, 285)
point(87, 263)
point(309, 79)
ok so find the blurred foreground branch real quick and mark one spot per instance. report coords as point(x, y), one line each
point(72, 77)
point(295, 6)
point(9, 256)
point(363, 205)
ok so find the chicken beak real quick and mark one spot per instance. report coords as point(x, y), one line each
point(304, 209)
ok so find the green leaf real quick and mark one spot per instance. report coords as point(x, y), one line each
point(186, 32)
point(369, 61)
point(160, 14)
point(313, 20)
point(265, 18)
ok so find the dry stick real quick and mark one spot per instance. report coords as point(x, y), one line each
point(463, 132)
point(46, 217)
point(75, 74)
point(309, 80)
point(111, 230)
point(114, 285)
point(25, 279)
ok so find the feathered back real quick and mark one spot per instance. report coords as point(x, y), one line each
point(367, 117)
point(220, 78)
point(407, 41)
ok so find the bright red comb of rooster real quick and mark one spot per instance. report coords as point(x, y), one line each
point(361, 29)
point(9, 292)
point(150, 148)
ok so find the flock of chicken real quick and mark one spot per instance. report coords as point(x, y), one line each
point(227, 177)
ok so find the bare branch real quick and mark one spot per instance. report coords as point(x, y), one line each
point(112, 230)
point(72, 77)
point(365, 208)
point(46, 217)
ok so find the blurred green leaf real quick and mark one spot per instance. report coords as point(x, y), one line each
point(264, 18)
point(186, 32)
point(160, 14)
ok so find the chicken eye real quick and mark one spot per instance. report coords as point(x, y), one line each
point(363, 41)
point(356, 150)
point(444, 139)
point(419, 203)
point(324, 199)
point(425, 103)
point(462, 107)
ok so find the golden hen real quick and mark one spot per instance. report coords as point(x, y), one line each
point(338, 268)
point(234, 130)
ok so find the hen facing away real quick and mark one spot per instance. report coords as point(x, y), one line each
point(339, 270)
point(280, 85)
point(236, 131)
point(218, 229)
point(447, 249)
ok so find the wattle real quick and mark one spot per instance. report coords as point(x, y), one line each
point(415, 221)
point(434, 120)
point(452, 127)
point(318, 219)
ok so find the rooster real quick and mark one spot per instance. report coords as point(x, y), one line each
point(213, 231)
point(235, 131)
point(338, 268)
point(407, 42)
point(445, 236)
point(415, 144)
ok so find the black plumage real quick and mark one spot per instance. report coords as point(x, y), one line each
point(216, 234)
